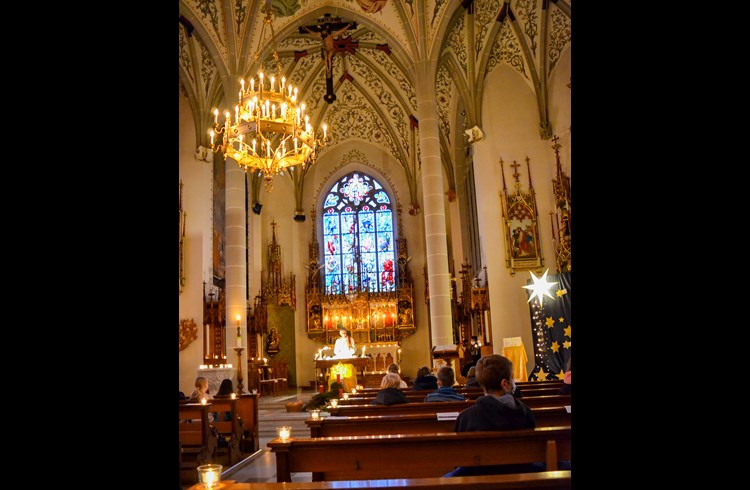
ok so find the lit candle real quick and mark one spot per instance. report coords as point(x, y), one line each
point(315, 414)
point(242, 82)
point(354, 391)
point(290, 90)
point(346, 396)
point(273, 80)
point(216, 116)
point(203, 401)
point(265, 360)
point(334, 403)
point(284, 432)
point(254, 146)
point(283, 80)
point(325, 130)
point(233, 396)
point(212, 137)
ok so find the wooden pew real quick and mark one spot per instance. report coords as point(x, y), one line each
point(415, 423)
point(470, 393)
point(197, 441)
point(248, 412)
point(433, 407)
point(244, 420)
point(416, 455)
point(546, 480)
point(231, 428)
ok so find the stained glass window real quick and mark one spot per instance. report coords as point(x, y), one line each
point(358, 236)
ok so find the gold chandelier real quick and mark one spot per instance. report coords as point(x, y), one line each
point(270, 130)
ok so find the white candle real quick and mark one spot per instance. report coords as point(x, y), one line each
point(242, 82)
point(233, 396)
point(210, 478)
point(203, 401)
point(216, 116)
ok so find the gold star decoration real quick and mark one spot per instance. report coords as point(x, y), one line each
point(566, 344)
point(541, 375)
point(550, 322)
point(561, 292)
point(561, 320)
point(554, 346)
point(561, 374)
point(567, 331)
point(540, 288)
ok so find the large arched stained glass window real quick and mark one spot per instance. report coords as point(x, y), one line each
point(358, 236)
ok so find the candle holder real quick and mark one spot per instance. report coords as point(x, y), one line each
point(345, 396)
point(240, 386)
point(209, 475)
point(315, 414)
point(284, 432)
point(334, 402)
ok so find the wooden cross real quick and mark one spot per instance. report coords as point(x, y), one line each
point(329, 27)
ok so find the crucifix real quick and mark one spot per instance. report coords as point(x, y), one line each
point(328, 28)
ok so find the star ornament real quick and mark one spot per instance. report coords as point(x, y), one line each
point(540, 288)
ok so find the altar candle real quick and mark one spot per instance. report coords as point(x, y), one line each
point(242, 82)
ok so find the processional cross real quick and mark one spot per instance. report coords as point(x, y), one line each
point(329, 27)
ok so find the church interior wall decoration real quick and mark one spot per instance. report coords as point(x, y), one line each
point(273, 317)
point(363, 283)
point(560, 218)
point(551, 328)
point(183, 218)
point(521, 223)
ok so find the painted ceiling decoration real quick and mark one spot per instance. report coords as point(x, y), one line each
point(373, 67)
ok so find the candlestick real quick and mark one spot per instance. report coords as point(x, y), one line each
point(240, 386)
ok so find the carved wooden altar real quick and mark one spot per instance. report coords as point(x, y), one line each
point(371, 316)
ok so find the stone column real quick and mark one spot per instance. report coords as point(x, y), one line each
point(235, 258)
point(438, 278)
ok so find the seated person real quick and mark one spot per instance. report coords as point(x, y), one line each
point(225, 391)
point(471, 378)
point(389, 393)
point(201, 392)
point(498, 409)
point(445, 393)
point(393, 368)
point(425, 380)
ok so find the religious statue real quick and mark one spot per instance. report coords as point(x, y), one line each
point(328, 28)
point(272, 341)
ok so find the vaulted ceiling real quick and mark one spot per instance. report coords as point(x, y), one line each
point(375, 71)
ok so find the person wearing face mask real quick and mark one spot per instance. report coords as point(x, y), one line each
point(498, 409)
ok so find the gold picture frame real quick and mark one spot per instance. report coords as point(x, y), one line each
point(523, 250)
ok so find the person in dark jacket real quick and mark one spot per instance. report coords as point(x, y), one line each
point(445, 393)
point(425, 380)
point(498, 409)
point(389, 393)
